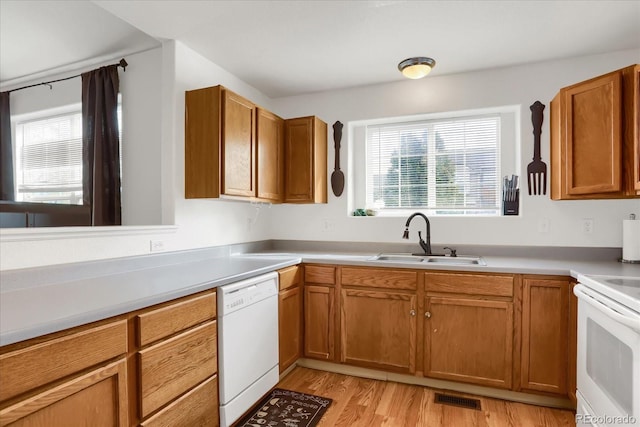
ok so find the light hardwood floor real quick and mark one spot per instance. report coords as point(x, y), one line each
point(372, 403)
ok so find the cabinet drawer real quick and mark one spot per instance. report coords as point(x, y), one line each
point(25, 369)
point(168, 320)
point(379, 278)
point(172, 367)
point(320, 274)
point(289, 277)
point(469, 284)
point(198, 407)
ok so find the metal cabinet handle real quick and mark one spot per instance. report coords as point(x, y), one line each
point(412, 312)
point(427, 315)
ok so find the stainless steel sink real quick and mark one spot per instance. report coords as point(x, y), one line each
point(398, 258)
point(459, 260)
point(444, 260)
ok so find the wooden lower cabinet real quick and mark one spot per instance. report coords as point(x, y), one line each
point(469, 340)
point(75, 378)
point(197, 408)
point(290, 326)
point(319, 322)
point(289, 316)
point(545, 327)
point(178, 362)
point(378, 329)
point(174, 366)
point(97, 398)
point(153, 367)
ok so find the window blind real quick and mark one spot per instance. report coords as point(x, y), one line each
point(444, 166)
point(49, 160)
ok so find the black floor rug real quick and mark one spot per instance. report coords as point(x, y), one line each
point(286, 408)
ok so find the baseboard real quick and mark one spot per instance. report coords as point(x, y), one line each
point(288, 370)
point(356, 371)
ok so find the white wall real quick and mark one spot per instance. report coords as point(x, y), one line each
point(157, 107)
point(202, 223)
point(212, 222)
point(141, 109)
point(522, 86)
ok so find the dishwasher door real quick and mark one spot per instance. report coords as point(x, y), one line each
point(247, 343)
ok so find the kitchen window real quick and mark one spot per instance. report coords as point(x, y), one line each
point(445, 164)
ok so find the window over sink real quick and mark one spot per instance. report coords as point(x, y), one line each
point(438, 164)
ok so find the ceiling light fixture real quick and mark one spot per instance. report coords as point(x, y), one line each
point(416, 68)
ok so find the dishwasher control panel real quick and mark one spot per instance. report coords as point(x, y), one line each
point(241, 294)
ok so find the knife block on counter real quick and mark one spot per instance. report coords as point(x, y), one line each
point(512, 206)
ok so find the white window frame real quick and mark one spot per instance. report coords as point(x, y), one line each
point(509, 153)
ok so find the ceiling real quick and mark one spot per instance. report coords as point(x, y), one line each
point(286, 48)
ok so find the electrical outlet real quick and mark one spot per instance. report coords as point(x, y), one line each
point(587, 225)
point(328, 225)
point(156, 245)
point(543, 225)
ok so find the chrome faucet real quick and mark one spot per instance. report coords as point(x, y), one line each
point(426, 246)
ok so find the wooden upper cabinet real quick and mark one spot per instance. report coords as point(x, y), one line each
point(236, 149)
point(631, 78)
point(202, 132)
point(238, 146)
point(593, 133)
point(305, 160)
point(270, 156)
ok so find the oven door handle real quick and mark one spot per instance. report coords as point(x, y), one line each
point(586, 296)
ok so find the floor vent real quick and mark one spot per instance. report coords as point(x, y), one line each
point(462, 402)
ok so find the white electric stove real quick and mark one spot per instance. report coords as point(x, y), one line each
point(608, 365)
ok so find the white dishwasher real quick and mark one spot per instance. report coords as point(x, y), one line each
point(247, 343)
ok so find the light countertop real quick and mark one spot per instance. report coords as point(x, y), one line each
point(31, 310)
point(35, 302)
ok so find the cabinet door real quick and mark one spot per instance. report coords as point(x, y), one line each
point(290, 326)
point(270, 158)
point(238, 146)
point(319, 322)
point(635, 128)
point(299, 160)
point(573, 344)
point(305, 160)
point(545, 314)
point(469, 340)
point(593, 124)
point(378, 329)
point(97, 398)
point(202, 142)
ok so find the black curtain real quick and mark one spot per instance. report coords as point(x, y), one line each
point(7, 188)
point(100, 145)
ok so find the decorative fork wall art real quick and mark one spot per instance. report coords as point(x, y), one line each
point(537, 169)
